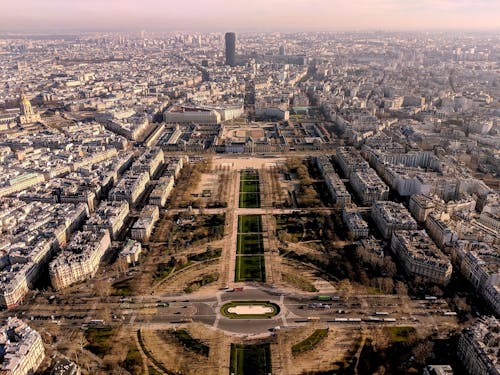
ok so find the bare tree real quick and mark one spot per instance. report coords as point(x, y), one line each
point(436, 291)
point(423, 351)
point(345, 285)
point(389, 267)
point(181, 260)
point(388, 285)
point(381, 339)
point(461, 304)
point(401, 288)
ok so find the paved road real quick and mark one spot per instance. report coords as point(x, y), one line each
point(260, 211)
point(296, 310)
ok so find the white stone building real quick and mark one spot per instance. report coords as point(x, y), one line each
point(22, 348)
point(420, 257)
point(479, 347)
point(390, 216)
point(80, 260)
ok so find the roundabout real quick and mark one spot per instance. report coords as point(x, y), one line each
point(249, 310)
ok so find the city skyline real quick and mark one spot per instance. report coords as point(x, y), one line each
point(257, 187)
point(240, 16)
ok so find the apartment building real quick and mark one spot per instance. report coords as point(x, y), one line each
point(130, 187)
point(143, 227)
point(162, 191)
point(391, 216)
point(80, 260)
point(336, 187)
point(479, 346)
point(480, 264)
point(368, 186)
point(356, 225)
point(110, 215)
point(22, 348)
point(420, 257)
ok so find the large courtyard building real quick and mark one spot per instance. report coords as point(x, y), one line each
point(187, 115)
point(150, 161)
point(130, 187)
point(349, 160)
point(441, 232)
point(421, 206)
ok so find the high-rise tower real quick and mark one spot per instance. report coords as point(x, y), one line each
point(230, 49)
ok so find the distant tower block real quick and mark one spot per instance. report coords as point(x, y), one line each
point(230, 49)
point(27, 115)
point(282, 50)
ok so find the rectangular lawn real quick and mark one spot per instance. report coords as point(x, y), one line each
point(249, 174)
point(250, 359)
point(249, 200)
point(249, 186)
point(250, 244)
point(250, 268)
point(249, 224)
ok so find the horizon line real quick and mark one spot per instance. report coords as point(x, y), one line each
point(247, 31)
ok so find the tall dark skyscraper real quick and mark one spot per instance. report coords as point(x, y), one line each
point(230, 49)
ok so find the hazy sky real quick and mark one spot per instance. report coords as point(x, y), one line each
point(247, 15)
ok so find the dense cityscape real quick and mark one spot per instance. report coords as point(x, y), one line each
point(250, 203)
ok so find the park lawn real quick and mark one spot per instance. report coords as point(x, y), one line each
point(249, 175)
point(203, 227)
point(289, 223)
point(191, 343)
point(197, 284)
point(99, 340)
point(133, 362)
point(299, 282)
point(122, 288)
point(163, 270)
point(211, 253)
point(250, 359)
point(310, 342)
point(250, 244)
point(249, 200)
point(300, 227)
point(401, 334)
point(249, 186)
point(374, 291)
point(250, 268)
point(249, 224)
point(153, 371)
